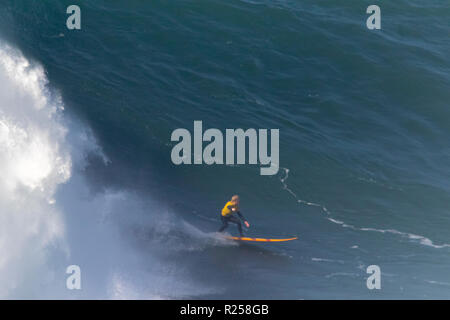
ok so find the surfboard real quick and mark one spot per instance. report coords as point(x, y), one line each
point(259, 239)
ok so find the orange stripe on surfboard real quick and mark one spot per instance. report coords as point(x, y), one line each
point(260, 239)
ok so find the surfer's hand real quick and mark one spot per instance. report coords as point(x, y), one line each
point(247, 224)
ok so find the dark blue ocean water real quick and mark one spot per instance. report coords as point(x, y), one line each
point(364, 124)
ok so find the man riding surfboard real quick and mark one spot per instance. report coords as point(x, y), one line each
point(227, 215)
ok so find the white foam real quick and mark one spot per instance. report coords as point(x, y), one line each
point(34, 163)
point(326, 260)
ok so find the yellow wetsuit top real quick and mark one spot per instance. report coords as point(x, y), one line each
point(227, 211)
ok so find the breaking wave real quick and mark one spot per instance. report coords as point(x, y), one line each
point(50, 218)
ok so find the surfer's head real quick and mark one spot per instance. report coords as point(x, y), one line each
point(235, 199)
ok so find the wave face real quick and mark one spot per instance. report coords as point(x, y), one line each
point(85, 124)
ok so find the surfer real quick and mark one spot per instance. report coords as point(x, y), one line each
point(227, 215)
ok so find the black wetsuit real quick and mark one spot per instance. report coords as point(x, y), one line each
point(233, 219)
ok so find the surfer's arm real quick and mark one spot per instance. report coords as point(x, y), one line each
point(243, 219)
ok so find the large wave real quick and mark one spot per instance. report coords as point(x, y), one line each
point(50, 218)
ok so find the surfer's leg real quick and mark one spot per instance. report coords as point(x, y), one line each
point(224, 223)
point(240, 228)
point(239, 224)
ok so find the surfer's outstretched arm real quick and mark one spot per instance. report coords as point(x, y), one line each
point(240, 215)
point(243, 219)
